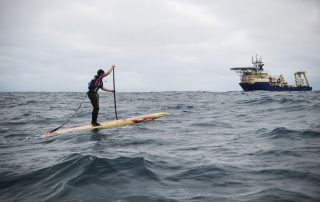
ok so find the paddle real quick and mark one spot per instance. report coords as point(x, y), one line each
point(114, 96)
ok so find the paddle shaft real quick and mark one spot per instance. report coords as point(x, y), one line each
point(114, 96)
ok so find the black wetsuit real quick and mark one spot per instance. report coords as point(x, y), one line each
point(94, 98)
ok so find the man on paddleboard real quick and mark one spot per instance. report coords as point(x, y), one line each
point(94, 85)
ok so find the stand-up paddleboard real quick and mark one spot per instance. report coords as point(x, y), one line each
point(109, 124)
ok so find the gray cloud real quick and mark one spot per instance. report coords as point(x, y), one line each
point(156, 45)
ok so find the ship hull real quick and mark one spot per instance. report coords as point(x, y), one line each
point(268, 87)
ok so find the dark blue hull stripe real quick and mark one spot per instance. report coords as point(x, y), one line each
point(268, 87)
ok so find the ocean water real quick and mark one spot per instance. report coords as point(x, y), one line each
point(231, 146)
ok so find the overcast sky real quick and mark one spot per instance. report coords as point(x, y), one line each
point(157, 45)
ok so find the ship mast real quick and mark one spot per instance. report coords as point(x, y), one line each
point(257, 67)
point(257, 63)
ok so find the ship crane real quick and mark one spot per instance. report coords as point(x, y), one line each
point(301, 81)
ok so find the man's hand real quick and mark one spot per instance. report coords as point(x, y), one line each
point(109, 71)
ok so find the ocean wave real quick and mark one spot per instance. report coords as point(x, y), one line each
point(275, 194)
point(293, 100)
point(141, 142)
point(204, 173)
point(181, 107)
point(263, 99)
point(28, 102)
point(143, 198)
point(276, 153)
point(256, 100)
point(15, 134)
point(210, 124)
point(282, 132)
point(278, 174)
point(74, 171)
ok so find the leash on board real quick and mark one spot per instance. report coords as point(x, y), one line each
point(74, 113)
point(114, 96)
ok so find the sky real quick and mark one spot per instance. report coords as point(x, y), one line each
point(156, 45)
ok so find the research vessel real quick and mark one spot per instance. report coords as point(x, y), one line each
point(254, 78)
